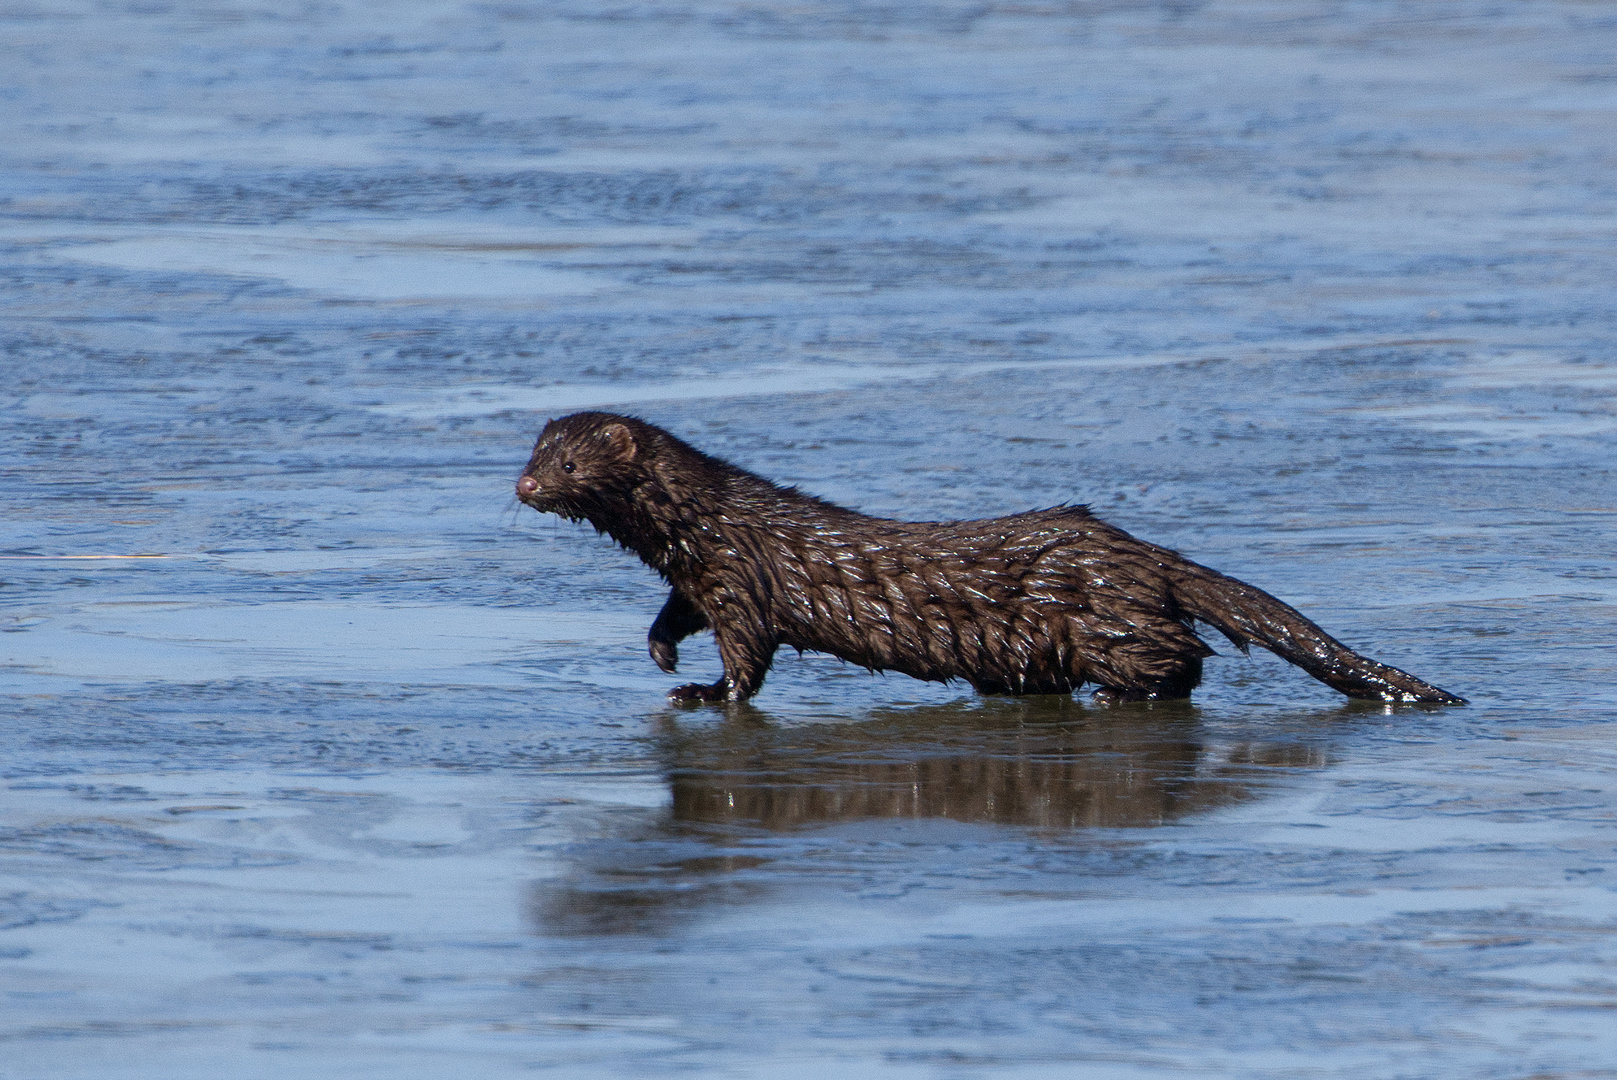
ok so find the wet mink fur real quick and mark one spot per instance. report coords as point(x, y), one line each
point(1034, 603)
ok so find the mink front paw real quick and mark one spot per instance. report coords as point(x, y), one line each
point(694, 692)
point(1118, 695)
point(666, 654)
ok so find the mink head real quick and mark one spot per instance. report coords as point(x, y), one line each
point(584, 464)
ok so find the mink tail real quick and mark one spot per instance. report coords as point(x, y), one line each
point(1247, 615)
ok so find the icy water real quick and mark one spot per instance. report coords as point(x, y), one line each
point(321, 757)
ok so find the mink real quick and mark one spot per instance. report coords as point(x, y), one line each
point(1040, 602)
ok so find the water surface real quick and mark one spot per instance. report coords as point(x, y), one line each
point(322, 757)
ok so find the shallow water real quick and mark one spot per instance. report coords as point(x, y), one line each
point(321, 756)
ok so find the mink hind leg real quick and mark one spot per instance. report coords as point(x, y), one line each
point(1175, 687)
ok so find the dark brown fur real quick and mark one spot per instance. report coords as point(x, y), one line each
point(1034, 603)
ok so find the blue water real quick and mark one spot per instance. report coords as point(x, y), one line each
point(321, 756)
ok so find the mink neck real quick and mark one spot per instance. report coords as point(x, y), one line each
point(644, 521)
point(677, 515)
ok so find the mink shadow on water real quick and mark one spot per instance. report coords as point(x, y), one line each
point(755, 804)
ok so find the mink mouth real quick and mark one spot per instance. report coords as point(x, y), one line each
point(544, 504)
point(550, 504)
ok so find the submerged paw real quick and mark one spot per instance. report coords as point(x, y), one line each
point(694, 692)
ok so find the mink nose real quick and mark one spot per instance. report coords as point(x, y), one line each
point(527, 486)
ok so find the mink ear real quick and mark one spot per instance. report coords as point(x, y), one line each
point(620, 441)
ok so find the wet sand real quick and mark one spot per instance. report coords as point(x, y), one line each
point(320, 756)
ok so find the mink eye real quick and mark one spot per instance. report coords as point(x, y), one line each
point(567, 466)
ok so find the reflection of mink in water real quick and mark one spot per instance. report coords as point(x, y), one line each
point(1125, 773)
point(1034, 603)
